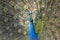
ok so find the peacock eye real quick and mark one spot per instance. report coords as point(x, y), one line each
point(5, 9)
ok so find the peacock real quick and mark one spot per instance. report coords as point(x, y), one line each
point(33, 34)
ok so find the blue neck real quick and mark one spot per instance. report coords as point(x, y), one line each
point(33, 34)
point(32, 27)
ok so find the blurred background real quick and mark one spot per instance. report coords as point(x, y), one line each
point(14, 24)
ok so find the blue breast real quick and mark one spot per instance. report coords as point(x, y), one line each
point(33, 34)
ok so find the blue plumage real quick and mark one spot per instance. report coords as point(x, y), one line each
point(33, 34)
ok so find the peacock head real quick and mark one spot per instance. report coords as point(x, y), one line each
point(30, 12)
point(30, 17)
